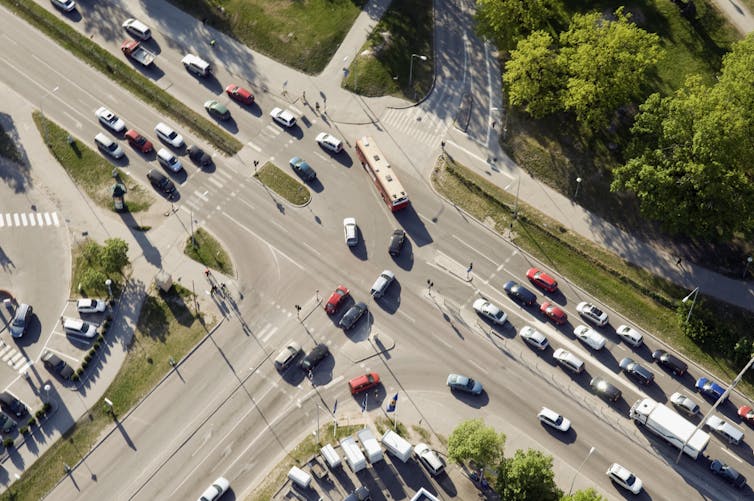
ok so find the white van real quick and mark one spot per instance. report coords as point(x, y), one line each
point(354, 457)
point(109, 146)
point(569, 360)
point(168, 160)
point(732, 434)
point(429, 458)
point(168, 135)
point(382, 283)
point(396, 445)
point(137, 29)
point(196, 65)
point(299, 477)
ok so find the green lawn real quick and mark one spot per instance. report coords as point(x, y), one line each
point(283, 184)
point(89, 169)
point(384, 66)
point(303, 34)
point(204, 249)
point(167, 327)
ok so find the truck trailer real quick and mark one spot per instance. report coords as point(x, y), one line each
point(670, 426)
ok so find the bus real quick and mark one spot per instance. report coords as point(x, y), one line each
point(382, 174)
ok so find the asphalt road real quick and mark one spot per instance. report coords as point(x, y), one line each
point(284, 256)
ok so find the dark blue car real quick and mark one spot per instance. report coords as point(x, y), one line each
point(520, 293)
point(709, 389)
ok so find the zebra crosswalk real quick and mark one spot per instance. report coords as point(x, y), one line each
point(14, 358)
point(425, 128)
point(28, 219)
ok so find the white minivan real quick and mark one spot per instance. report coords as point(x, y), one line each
point(108, 145)
point(137, 29)
point(196, 65)
point(168, 135)
point(78, 328)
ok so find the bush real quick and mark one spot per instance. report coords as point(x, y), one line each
point(75, 377)
point(40, 413)
point(46, 407)
point(32, 421)
point(101, 338)
point(23, 430)
point(92, 352)
point(8, 443)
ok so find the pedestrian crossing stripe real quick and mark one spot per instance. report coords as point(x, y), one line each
point(23, 219)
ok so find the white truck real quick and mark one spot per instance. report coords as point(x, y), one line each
point(137, 52)
point(670, 426)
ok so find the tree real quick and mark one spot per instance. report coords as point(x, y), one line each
point(505, 22)
point(586, 495)
point(92, 279)
point(606, 62)
point(472, 440)
point(534, 75)
point(527, 476)
point(114, 255)
point(91, 252)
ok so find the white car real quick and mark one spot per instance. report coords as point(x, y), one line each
point(553, 419)
point(283, 117)
point(216, 490)
point(630, 335)
point(110, 120)
point(429, 458)
point(534, 337)
point(731, 433)
point(590, 337)
point(592, 313)
point(330, 142)
point(91, 305)
point(137, 29)
point(78, 328)
point(109, 146)
point(684, 404)
point(168, 135)
point(623, 477)
point(287, 355)
point(489, 310)
point(350, 231)
point(64, 5)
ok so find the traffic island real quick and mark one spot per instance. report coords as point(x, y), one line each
point(272, 177)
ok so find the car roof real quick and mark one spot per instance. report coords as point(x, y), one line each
point(549, 414)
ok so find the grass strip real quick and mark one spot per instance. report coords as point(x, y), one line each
point(283, 184)
point(203, 248)
point(166, 328)
point(121, 73)
point(89, 170)
point(649, 301)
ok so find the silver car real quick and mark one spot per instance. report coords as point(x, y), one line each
point(465, 384)
point(21, 320)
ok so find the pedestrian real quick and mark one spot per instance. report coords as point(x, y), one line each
point(206, 272)
point(678, 262)
point(224, 289)
point(213, 290)
point(212, 42)
point(494, 123)
point(316, 105)
point(303, 96)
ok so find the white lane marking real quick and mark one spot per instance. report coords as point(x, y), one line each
point(269, 245)
point(481, 369)
point(246, 203)
point(8, 220)
point(493, 261)
point(48, 219)
point(311, 248)
point(410, 318)
point(2, 221)
point(190, 204)
point(282, 228)
point(269, 335)
point(40, 219)
point(253, 146)
point(55, 219)
point(333, 382)
point(216, 182)
point(32, 219)
point(15, 219)
point(24, 222)
point(203, 196)
point(725, 449)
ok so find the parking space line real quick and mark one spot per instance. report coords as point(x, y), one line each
point(253, 146)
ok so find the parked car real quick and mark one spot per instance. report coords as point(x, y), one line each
point(429, 458)
point(336, 299)
point(80, 329)
point(314, 357)
point(590, 337)
point(533, 337)
point(108, 146)
point(592, 313)
point(396, 242)
point(746, 413)
point(6, 423)
point(709, 388)
point(490, 311)
point(363, 383)
point(217, 109)
point(56, 365)
point(110, 120)
point(239, 94)
point(168, 135)
point(12, 405)
point(464, 384)
point(139, 142)
point(670, 362)
point(553, 419)
point(21, 320)
point(216, 490)
point(352, 316)
point(554, 313)
point(302, 168)
point(161, 182)
point(137, 29)
point(684, 404)
point(287, 355)
point(198, 156)
point(520, 293)
point(283, 117)
point(64, 5)
point(91, 305)
point(630, 335)
point(351, 231)
point(330, 142)
point(727, 473)
point(636, 371)
point(542, 280)
point(623, 477)
point(605, 389)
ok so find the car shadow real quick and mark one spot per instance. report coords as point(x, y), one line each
point(230, 124)
point(323, 372)
point(153, 72)
point(294, 131)
point(405, 260)
point(210, 82)
point(567, 437)
point(151, 44)
point(556, 297)
point(391, 300)
point(316, 185)
point(292, 374)
point(252, 108)
point(179, 177)
point(361, 329)
point(414, 226)
point(360, 249)
point(373, 398)
point(476, 401)
point(147, 157)
point(343, 158)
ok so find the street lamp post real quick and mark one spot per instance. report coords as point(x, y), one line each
point(578, 185)
point(591, 451)
point(746, 269)
point(109, 284)
point(411, 69)
point(693, 294)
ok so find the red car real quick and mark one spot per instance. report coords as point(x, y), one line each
point(337, 298)
point(746, 413)
point(554, 313)
point(239, 94)
point(363, 383)
point(542, 280)
point(139, 142)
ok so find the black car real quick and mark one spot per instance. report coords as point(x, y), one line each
point(12, 405)
point(6, 423)
point(161, 182)
point(56, 365)
point(352, 315)
point(314, 357)
point(670, 362)
point(727, 473)
point(605, 389)
point(396, 242)
point(636, 371)
point(520, 293)
point(197, 155)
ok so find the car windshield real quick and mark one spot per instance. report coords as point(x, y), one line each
point(630, 479)
point(18, 321)
point(470, 384)
point(596, 311)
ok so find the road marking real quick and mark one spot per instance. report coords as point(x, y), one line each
point(725, 449)
point(7, 356)
point(295, 110)
point(23, 219)
point(55, 219)
point(216, 182)
point(246, 203)
point(311, 248)
point(32, 219)
point(493, 261)
point(269, 245)
point(282, 228)
point(15, 219)
point(203, 196)
point(481, 369)
point(333, 382)
point(410, 318)
point(40, 220)
point(269, 335)
point(25, 367)
point(254, 146)
point(48, 219)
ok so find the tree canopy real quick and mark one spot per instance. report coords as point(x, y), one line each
point(473, 440)
point(585, 495)
point(527, 476)
point(534, 76)
point(505, 22)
